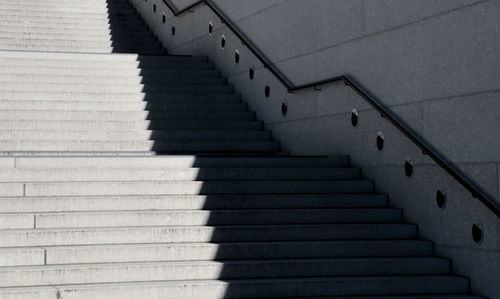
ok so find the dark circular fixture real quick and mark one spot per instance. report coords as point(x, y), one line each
point(284, 108)
point(354, 117)
point(267, 91)
point(441, 198)
point(237, 56)
point(173, 30)
point(210, 28)
point(408, 168)
point(380, 141)
point(223, 42)
point(477, 232)
point(251, 73)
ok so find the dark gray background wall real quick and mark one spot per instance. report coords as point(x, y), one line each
point(435, 63)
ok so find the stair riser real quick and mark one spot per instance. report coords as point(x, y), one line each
point(118, 72)
point(211, 270)
point(92, 21)
point(124, 125)
point(185, 202)
point(6, 115)
point(98, 8)
point(70, 47)
point(141, 146)
point(131, 80)
point(100, 37)
point(116, 219)
point(118, 107)
point(131, 235)
point(103, 136)
point(193, 188)
point(69, 88)
point(187, 174)
point(175, 162)
point(153, 66)
point(236, 251)
point(265, 289)
point(90, 57)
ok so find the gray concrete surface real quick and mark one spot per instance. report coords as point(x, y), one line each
point(434, 63)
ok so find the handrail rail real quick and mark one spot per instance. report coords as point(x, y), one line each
point(361, 91)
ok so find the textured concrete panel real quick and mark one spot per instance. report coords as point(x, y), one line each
point(385, 14)
point(415, 63)
point(465, 128)
point(434, 63)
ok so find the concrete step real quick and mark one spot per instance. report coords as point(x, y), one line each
point(123, 106)
point(89, 57)
point(256, 288)
point(183, 174)
point(174, 98)
point(22, 256)
point(44, 22)
point(189, 202)
point(183, 234)
point(114, 97)
point(148, 145)
point(156, 62)
point(186, 72)
point(58, 255)
point(126, 80)
point(190, 217)
point(101, 19)
point(115, 88)
point(185, 125)
point(198, 174)
point(33, 29)
point(163, 162)
point(188, 270)
point(180, 217)
point(124, 115)
point(193, 188)
point(51, 14)
point(107, 37)
point(71, 47)
point(92, 135)
point(68, 7)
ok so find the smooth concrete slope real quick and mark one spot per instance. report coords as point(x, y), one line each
point(90, 208)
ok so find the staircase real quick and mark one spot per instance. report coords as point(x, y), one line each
point(127, 173)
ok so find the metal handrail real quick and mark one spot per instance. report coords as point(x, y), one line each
point(349, 81)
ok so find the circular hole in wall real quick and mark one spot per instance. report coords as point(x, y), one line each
point(223, 42)
point(408, 168)
point(251, 73)
point(284, 108)
point(354, 117)
point(154, 7)
point(380, 141)
point(210, 27)
point(163, 18)
point(477, 232)
point(237, 56)
point(267, 91)
point(173, 30)
point(441, 198)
